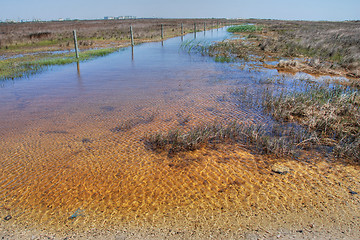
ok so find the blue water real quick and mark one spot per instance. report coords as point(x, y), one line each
point(139, 74)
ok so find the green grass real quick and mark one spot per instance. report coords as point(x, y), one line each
point(25, 66)
point(245, 28)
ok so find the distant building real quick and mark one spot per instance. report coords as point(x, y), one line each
point(109, 18)
point(126, 17)
point(60, 19)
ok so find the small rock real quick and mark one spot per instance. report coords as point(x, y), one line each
point(352, 192)
point(280, 169)
point(8, 217)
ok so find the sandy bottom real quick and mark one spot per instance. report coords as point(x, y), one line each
point(65, 175)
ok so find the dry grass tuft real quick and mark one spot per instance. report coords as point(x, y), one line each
point(257, 137)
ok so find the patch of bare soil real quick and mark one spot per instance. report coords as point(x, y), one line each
point(310, 66)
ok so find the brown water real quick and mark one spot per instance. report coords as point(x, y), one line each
point(63, 169)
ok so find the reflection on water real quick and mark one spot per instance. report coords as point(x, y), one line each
point(132, 53)
point(62, 165)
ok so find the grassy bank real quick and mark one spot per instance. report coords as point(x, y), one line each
point(326, 47)
point(27, 65)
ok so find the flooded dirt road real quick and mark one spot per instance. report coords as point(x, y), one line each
point(64, 171)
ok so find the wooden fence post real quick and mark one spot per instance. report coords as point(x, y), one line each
point(162, 31)
point(76, 45)
point(182, 29)
point(204, 27)
point(195, 30)
point(131, 36)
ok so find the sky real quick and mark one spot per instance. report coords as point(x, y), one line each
point(332, 10)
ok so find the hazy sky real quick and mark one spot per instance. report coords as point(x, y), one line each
point(333, 10)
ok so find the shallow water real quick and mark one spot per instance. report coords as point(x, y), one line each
point(63, 168)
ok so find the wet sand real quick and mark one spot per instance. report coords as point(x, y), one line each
point(72, 163)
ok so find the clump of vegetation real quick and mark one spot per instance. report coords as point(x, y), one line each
point(245, 28)
point(330, 112)
point(25, 66)
point(261, 138)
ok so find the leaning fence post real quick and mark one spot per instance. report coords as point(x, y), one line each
point(204, 27)
point(162, 31)
point(131, 36)
point(76, 45)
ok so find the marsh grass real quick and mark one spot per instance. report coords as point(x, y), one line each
point(334, 42)
point(245, 28)
point(330, 112)
point(25, 66)
point(198, 46)
point(223, 51)
point(257, 137)
point(322, 117)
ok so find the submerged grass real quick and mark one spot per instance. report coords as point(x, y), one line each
point(131, 123)
point(25, 66)
point(198, 46)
